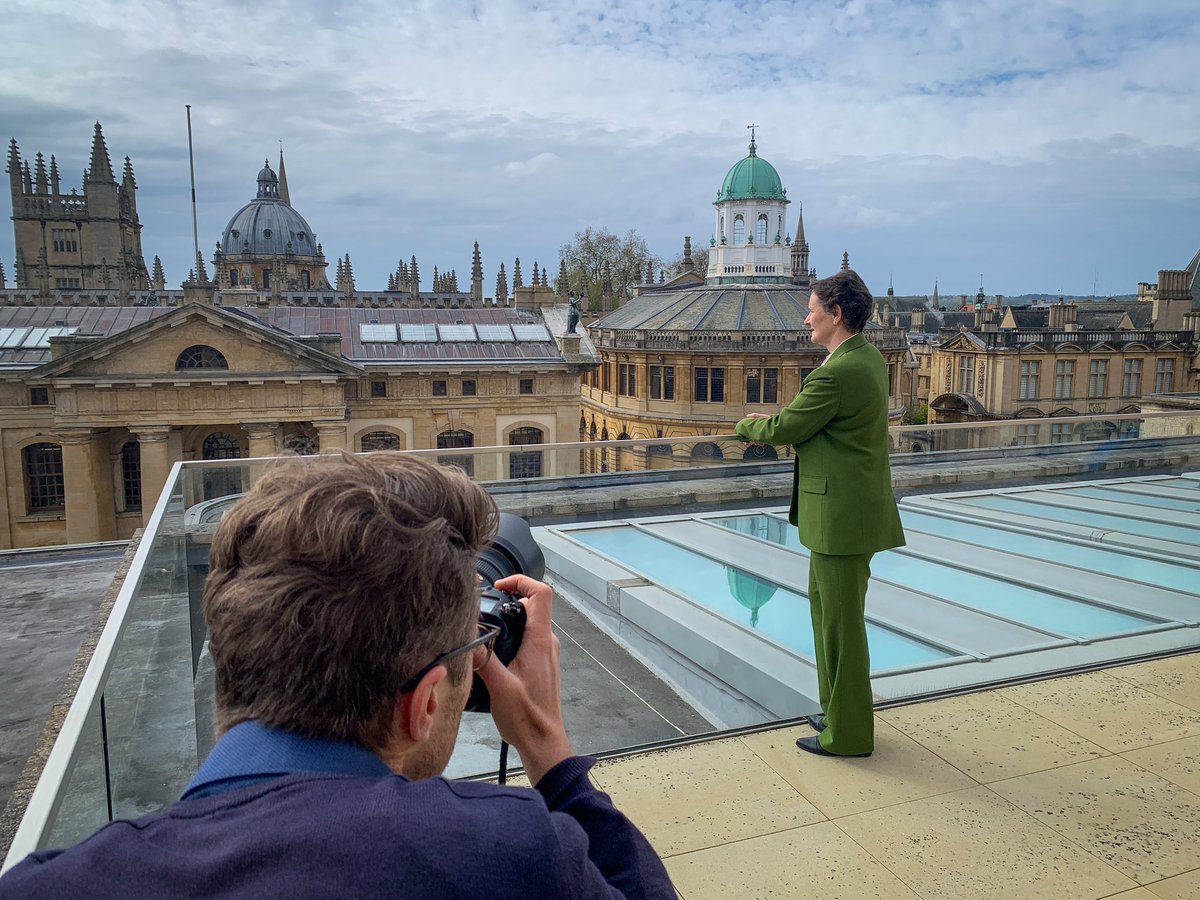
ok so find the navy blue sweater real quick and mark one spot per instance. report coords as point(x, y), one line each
point(274, 815)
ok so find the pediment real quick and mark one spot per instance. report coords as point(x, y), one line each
point(959, 342)
point(1137, 346)
point(150, 351)
point(1169, 346)
point(1063, 411)
point(1103, 346)
point(1033, 348)
point(1069, 348)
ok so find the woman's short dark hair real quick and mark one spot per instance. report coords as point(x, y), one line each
point(333, 581)
point(847, 290)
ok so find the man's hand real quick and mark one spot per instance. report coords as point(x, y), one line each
point(527, 696)
point(757, 416)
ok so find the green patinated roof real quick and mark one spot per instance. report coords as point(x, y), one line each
point(752, 179)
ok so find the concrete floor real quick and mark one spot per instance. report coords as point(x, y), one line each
point(1080, 787)
point(47, 603)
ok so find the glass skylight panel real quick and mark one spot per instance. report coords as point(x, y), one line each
point(494, 332)
point(457, 332)
point(12, 337)
point(531, 332)
point(374, 333)
point(417, 334)
point(39, 338)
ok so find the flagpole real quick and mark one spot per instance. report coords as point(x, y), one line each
point(192, 168)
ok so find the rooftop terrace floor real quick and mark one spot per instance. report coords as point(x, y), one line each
point(1085, 786)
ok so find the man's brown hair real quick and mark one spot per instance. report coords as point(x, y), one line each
point(334, 580)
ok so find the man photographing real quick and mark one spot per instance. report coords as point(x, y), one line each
point(343, 612)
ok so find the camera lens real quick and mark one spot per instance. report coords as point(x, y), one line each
point(513, 552)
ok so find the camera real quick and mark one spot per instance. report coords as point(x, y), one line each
point(513, 552)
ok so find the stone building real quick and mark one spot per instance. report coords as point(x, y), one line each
point(77, 240)
point(691, 360)
point(104, 386)
point(1067, 359)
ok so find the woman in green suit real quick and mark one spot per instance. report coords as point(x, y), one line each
point(842, 502)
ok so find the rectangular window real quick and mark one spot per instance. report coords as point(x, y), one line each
point(1064, 379)
point(1131, 378)
point(762, 385)
point(627, 379)
point(378, 388)
point(439, 388)
point(66, 284)
point(1098, 379)
point(1029, 380)
point(804, 373)
point(662, 382)
point(1027, 435)
point(526, 386)
point(710, 384)
point(1164, 376)
point(39, 396)
point(468, 387)
point(44, 477)
point(966, 374)
point(1060, 433)
point(65, 240)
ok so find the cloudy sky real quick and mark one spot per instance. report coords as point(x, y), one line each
point(1047, 146)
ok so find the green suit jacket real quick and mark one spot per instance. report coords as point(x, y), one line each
point(842, 498)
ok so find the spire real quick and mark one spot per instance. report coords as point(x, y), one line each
point(54, 179)
point(753, 145)
point(283, 186)
point(40, 178)
point(415, 282)
point(127, 178)
point(100, 171)
point(26, 178)
point(348, 274)
point(845, 260)
point(800, 227)
point(563, 291)
point(476, 275)
point(517, 283)
point(537, 278)
point(14, 166)
point(501, 287)
point(201, 272)
point(437, 281)
point(936, 301)
point(545, 276)
point(158, 279)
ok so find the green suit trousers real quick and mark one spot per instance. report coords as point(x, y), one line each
point(837, 591)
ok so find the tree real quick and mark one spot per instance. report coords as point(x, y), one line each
point(595, 255)
point(915, 414)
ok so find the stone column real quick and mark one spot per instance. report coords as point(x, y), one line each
point(85, 520)
point(332, 435)
point(155, 455)
point(264, 438)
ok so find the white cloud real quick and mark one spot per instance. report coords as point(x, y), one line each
point(881, 116)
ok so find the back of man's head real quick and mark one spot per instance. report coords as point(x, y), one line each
point(333, 581)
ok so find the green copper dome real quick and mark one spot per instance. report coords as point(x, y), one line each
point(752, 179)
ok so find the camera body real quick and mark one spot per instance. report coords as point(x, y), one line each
point(507, 612)
point(513, 552)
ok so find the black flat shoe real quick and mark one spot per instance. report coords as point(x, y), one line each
point(813, 745)
point(817, 721)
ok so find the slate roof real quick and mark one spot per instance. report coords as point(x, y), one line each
point(729, 307)
point(307, 321)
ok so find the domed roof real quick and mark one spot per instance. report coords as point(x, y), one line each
point(267, 225)
point(752, 179)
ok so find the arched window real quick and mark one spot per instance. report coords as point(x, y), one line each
point(452, 440)
point(233, 277)
point(722, 234)
point(707, 450)
point(760, 234)
point(760, 451)
point(200, 356)
point(44, 477)
point(131, 475)
point(739, 229)
point(305, 279)
point(380, 440)
point(604, 450)
point(266, 279)
point(226, 481)
point(529, 463)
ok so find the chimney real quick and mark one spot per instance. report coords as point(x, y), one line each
point(918, 319)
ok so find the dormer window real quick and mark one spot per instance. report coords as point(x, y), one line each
point(200, 356)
